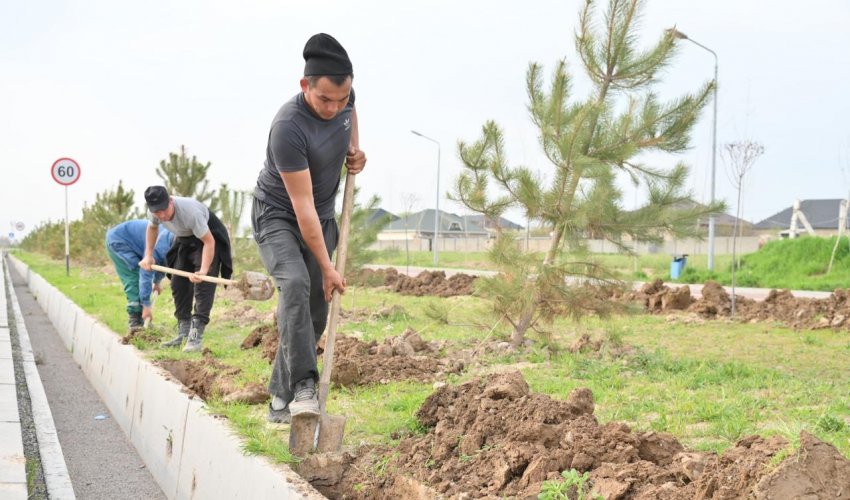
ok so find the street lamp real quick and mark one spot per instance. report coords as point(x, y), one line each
point(678, 34)
point(437, 213)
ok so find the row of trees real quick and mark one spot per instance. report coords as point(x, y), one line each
point(182, 175)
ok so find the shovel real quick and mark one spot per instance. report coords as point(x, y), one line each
point(325, 435)
point(254, 286)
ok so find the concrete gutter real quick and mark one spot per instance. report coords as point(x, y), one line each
point(55, 471)
point(190, 453)
point(13, 477)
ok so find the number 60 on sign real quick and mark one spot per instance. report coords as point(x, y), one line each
point(65, 171)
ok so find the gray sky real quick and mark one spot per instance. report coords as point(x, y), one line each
point(119, 85)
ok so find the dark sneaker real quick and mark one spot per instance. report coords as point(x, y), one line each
point(135, 323)
point(306, 400)
point(279, 416)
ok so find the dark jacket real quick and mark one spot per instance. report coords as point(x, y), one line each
point(179, 256)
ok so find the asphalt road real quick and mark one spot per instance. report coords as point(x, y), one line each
point(101, 461)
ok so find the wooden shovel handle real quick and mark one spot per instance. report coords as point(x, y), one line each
point(187, 274)
point(333, 319)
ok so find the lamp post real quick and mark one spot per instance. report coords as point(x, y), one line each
point(678, 34)
point(437, 213)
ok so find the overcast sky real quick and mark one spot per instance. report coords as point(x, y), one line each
point(118, 85)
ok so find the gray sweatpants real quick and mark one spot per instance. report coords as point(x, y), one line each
point(302, 312)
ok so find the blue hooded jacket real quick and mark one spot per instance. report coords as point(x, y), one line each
point(127, 240)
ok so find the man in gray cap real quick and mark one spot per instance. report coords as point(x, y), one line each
point(201, 246)
point(311, 137)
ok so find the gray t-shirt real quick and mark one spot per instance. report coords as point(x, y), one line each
point(299, 140)
point(191, 217)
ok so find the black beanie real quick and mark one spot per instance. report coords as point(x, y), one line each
point(324, 56)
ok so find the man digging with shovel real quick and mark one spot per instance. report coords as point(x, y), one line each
point(201, 247)
point(311, 137)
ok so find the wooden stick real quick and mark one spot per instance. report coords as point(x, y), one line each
point(341, 254)
point(187, 274)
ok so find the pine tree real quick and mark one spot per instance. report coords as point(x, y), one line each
point(184, 176)
point(111, 207)
point(231, 204)
point(587, 142)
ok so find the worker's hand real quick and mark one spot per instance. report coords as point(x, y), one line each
point(194, 278)
point(157, 288)
point(355, 160)
point(332, 281)
point(147, 313)
point(146, 262)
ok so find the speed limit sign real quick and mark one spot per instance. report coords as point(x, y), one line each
point(65, 171)
point(19, 226)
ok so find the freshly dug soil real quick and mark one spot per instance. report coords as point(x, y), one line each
point(780, 305)
point(405, 357)
point(265, 336)
point(492, 437)
point(209, 377)
point(426, 283)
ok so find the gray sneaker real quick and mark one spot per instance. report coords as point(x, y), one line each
point(306, 400)
point(196, 335)
point(279, 416)
point(183, 327)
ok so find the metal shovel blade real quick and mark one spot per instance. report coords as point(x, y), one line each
point(302, 434)
point(331, 432)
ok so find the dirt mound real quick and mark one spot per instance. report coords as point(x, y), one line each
point(208, 378)
point(780, 306)
point(657, 297)
point(245, 313)
point(145, 334)
point(425, 283)
point(405, 357)
point(818, 471)
point(265, 336)
point(715, 302)
point(492, 437)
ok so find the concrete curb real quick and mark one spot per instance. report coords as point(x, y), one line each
point(190, 453)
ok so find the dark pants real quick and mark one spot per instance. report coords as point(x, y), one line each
point(302, 312)
point(185, 292)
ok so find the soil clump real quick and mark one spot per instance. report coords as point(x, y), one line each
point(492, 437)
point(208, 378)
point(779, 306)
point(404, 357)
point(432, 283)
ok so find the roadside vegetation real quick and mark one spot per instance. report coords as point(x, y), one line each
point(798, 264)
point(709, 384)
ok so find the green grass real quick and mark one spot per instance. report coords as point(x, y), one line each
point(798, 264)
point(709, 384)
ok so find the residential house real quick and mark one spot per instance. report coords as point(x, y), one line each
point(421, 225)
point(823, 216)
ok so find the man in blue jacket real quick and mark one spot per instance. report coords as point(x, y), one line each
point(125, 244)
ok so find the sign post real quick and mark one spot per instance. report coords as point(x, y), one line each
point(66, 171)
